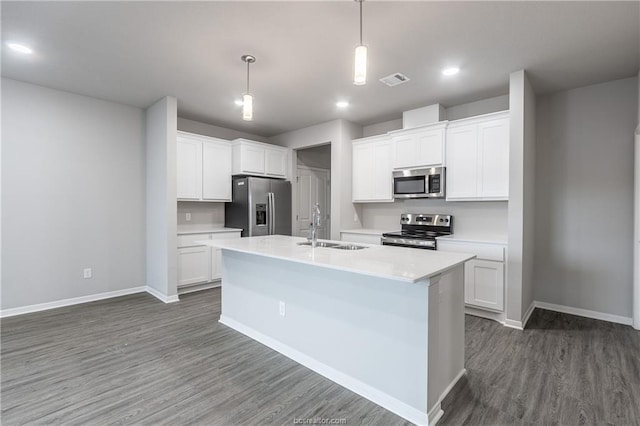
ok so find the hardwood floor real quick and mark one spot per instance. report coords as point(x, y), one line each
point(134, 360)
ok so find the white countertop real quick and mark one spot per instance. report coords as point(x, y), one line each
point(367, 231)
point(397, 263)
point(207, 230)
point(476, 238)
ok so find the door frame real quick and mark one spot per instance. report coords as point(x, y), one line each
point(294, 218)
point(636, 236)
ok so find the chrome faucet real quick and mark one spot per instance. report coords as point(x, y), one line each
point(315, 224)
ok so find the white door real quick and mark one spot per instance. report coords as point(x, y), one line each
point(216, 171)
point(381, 179)
point(313, 187)
point(252, 158)
point(405, 150)
point(430, 146)
point(363, 159)
point(189, 169)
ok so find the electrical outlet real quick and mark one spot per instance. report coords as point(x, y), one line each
point(282, 309)
point(87, 273)
point(188, 217)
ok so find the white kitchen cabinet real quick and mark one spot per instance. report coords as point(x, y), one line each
point(371, 170)
point(477, 158)
point(259, 159)
point(193, 265)
point(484, 276)
point(203, 168)
point(484, 284)
point(189, 168)
point(418, 147)
point(197, 263)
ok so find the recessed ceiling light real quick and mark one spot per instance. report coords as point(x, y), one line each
point(238, 102)
point(342, 104)
point(20, 48)
point(450, 71)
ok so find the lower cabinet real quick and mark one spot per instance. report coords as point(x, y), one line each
point(484, 278)
point(484, 284)
point(199, 264)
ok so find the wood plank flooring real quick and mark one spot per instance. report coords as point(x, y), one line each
point(135, 360)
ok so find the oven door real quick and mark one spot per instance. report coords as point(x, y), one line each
point(419, 183)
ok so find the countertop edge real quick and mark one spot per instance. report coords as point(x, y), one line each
point(220, 244)
point(209, 231)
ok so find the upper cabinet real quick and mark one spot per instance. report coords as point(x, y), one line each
point(203, 168)
point(372, 170)
point(477, 158)
point(419, 147)
point(259, 159)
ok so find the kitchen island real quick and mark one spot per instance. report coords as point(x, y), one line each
point(385, 322)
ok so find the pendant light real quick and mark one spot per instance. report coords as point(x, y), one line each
point(247, 98)
point(360, 62)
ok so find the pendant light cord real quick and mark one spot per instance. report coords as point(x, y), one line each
point(360, 1)
point(248, 76)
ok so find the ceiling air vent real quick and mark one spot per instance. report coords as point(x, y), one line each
point(394, 79)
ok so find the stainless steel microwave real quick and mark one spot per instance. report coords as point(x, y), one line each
point(419, 183)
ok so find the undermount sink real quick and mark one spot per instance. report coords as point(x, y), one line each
point(319, 244)
point(350, 247)
point(334, 245)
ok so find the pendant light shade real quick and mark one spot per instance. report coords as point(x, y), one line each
point(247, 98)
point(247, 107)
point(360, 67)
point(360, 60)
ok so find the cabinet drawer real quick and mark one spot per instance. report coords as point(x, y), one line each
point(189, 240)
point(482, 251)
point(225, 235)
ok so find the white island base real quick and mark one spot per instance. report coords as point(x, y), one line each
point(398, 342)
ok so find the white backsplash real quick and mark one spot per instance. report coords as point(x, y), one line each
point(470, 218)
point(203, 215)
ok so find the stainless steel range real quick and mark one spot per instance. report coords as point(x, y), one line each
point(419, 230)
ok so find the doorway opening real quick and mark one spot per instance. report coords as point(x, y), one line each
point(313, 185)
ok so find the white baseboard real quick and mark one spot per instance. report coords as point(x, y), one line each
point(584, 313)
point(527, 314)
point(162, 297)
point(382, 399)
point(68, 302)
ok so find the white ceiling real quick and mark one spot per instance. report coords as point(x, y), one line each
point(137, 52)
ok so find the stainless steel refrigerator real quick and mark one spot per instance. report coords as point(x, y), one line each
point(260, 206)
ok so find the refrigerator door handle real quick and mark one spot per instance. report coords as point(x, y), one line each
point(269, 213)
point(273, 213)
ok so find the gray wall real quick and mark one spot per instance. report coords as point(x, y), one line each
point(318, 156)
point(484, 106)
point(73, 191)
point(215, 131)
point(381, 128)
point(161, 207)
point(584, 212)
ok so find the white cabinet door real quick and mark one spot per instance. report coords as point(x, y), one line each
point(189, 169)
point(484, 284)
point(216, 171)
point(462, 162)
point(275, 162)
point(418, 148)
point(493, 161)
point(194, 265)
point(252, 159)
point(362, 172)
point(382, 177)
point(430, 147)
point(372, 174)
point(405, 150)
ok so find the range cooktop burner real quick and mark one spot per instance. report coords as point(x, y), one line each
point(419, 230)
